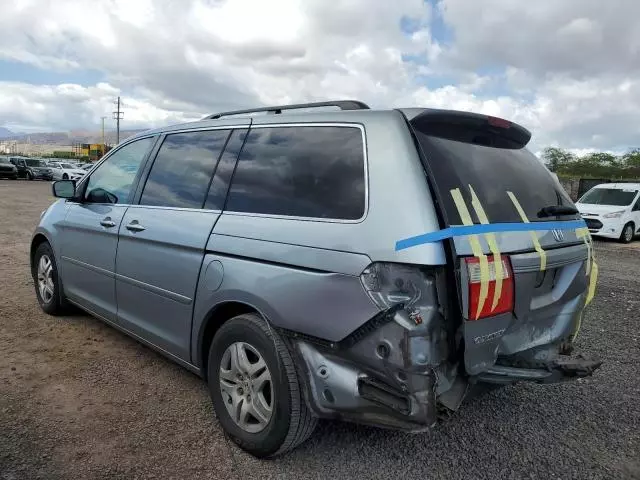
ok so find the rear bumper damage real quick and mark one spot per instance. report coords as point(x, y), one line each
point(399, 374)
point(562, 368)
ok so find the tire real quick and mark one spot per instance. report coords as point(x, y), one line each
point(65, 177)
point(627, 233)
point(50, 302)
point(30, 176)
point(290, 421)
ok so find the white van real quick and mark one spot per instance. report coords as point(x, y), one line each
point(612, 210)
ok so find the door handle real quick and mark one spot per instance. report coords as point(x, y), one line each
point(134, 226)
point(108, 223)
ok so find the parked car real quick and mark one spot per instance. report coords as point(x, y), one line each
point(32, 168)
point(87, 166)
point(64, 171)
point(371, 266)
point(7, 169)
point(612, 210)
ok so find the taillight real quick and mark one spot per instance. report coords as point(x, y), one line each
point(492, 305)
point(389, 284)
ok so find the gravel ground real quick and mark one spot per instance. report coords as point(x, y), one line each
point(80, 400)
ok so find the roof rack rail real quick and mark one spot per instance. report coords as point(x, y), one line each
point(341, 104)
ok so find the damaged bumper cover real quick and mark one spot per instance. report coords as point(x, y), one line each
point(562, 368)
point(386, 374)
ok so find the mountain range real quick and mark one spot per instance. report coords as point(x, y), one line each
point(65, 138)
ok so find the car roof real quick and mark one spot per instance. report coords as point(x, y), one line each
point(341, 116)
point(619, 186)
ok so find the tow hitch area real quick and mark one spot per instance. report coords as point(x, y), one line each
point(561, 368)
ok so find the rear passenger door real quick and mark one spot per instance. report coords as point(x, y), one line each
point(162, 238)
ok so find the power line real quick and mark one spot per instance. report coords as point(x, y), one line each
point(117, 116)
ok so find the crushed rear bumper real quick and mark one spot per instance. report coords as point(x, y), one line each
point(561, 368)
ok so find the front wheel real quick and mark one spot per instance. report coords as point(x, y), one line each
point(45, 278)
point(65, 177)
point(627, 233)
point(30, 176)
point(255, 389)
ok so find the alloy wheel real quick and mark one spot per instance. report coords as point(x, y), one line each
point(45, 279)
point(246, 387)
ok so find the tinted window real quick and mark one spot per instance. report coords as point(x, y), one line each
point(224, 171)
point(182, 170)
point(35, 163)
point(609, 196)
point(111, 182)
point(301, 171)
point(492, 172)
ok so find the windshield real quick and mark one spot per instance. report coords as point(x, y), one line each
point(492, 172)
point(35, 163)
point(609, 196)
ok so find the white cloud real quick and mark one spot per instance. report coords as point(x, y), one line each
point(566, 70)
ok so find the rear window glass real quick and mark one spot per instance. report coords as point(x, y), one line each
point(609, 196)
point(301, 171)
point(492, 172)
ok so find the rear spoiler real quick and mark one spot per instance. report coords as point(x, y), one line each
point(470, 128)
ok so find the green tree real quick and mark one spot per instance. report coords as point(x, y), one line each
point(557, 159)
point(631, 159)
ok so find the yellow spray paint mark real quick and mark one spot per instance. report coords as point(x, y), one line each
point(534, 236)
point(465, 216)
point(493, 245)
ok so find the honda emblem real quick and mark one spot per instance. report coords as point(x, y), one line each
point(558, 235)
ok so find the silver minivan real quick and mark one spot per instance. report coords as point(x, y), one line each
point(328, 261)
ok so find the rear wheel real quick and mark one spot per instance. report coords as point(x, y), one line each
point(65, 177)
point(255, 389)
point(45, 278)
point(30, 176)
point(627, 233)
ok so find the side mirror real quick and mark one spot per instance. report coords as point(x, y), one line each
point(64, 189)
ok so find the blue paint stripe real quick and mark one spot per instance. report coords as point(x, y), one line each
point(463, 230)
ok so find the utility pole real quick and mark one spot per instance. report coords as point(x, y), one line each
point(117, 116)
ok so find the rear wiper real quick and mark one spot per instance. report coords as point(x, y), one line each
point(555, 210)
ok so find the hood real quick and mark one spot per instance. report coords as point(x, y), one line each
point(593, 209)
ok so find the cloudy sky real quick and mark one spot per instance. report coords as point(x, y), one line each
point(568, 70)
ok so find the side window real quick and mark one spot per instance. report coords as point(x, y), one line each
point(112, 181)
point(181, 173)
point(636, 207)
point(224, 171)
point(301, 171)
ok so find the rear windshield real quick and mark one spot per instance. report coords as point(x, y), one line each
point(492, 172)
point(609, 196)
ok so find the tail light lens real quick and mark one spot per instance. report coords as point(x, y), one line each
point(504, 301)
point(389, 284)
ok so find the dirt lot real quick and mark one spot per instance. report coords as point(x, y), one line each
point(80, 400)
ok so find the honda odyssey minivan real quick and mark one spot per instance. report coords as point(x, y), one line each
point(339, 262)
